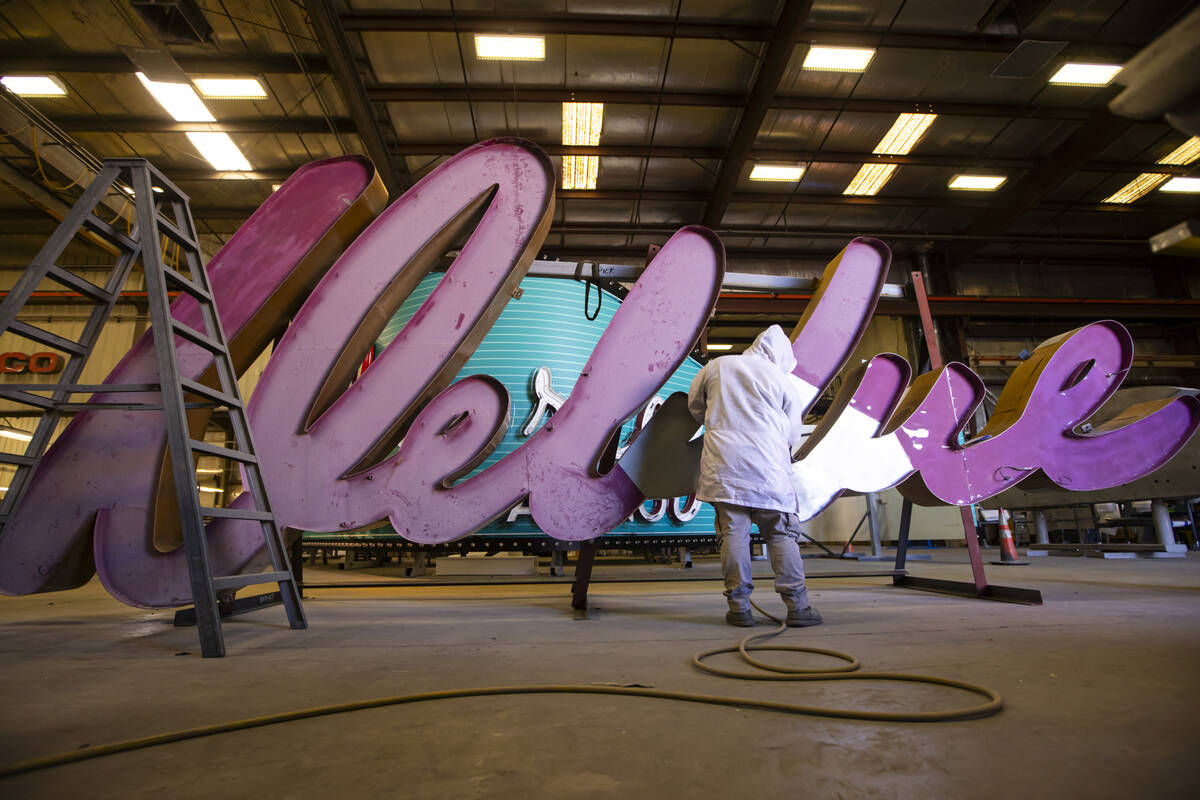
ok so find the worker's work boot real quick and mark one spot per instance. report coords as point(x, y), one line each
point(803, 617)
point(742, 619)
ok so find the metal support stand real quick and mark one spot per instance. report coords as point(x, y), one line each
point(875, 524)
point(583, 578)
point(979, 587)
point(163, 218)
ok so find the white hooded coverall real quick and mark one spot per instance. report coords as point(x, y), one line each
point(752, 415)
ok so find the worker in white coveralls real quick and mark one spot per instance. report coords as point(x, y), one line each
point(752, 415)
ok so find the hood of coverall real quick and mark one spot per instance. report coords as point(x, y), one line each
point(774, 346)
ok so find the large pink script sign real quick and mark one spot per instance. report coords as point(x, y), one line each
point(326, 445)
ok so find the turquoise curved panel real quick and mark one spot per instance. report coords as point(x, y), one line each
point(546, 327)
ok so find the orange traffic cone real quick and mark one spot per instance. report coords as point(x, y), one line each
point(1008, 552)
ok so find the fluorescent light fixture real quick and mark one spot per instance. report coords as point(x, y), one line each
point(207, 471)
point(1181, 185)
point(9, 432)
point(1186, 153)
point(776, 172)
point(179, 99)
point(211, 489)
point(581, 125)
point(1074, 74)
point(712, 346)
point(220, 151)
point(275, 187)
point(230, 88)
point(977, 183)
point(580, 172)
point(904, 134)
point(870, 179)
point(510, 48)
point(838, 59)
point(33, 85)
point(1140, 186)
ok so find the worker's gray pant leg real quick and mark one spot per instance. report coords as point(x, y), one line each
point(782, 532)
point(733, 529)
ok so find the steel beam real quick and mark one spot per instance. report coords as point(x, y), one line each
point(506, 94)
point(945, 201)
point(774, 62)
point(843, 235)
point(117, 63)
point(984, 307)
point(333, 42)
point(963, 161)
point(666, 27)
point(110, 124)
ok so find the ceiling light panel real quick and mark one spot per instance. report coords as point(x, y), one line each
point(977, 183)
point(1186, 153)
point(581, 123)
point(1073, 74)
point(179, 99)
point(1181, 185)
point(838, 59)
point(510, 48)
point(870, 179)
point(1140, 186)
point(33, 85)
point(220, 151)
point(906, 131)
point(580, 172)
point(715, 346)
point(776, 172)
point(230, 88)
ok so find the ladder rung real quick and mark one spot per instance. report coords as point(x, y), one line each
point(195, 387)
point(81, 285)
point(223, 452)
point(196, 337)
point(236, 513)
point(109, 232)
point(47, 338)
point(177, 235)
point(236, 581)
point(187, 285)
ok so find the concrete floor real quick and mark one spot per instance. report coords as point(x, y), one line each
point(1100, 684)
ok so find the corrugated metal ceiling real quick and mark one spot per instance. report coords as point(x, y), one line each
point(675, 109)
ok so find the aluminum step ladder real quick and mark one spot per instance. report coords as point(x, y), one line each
point(151, 194)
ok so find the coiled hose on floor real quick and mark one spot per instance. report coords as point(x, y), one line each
point(772, 672)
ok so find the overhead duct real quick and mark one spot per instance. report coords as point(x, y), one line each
point(175, 21)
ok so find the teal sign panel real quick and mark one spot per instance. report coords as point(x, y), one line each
point(546, 330)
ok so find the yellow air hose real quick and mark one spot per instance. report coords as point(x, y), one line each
point(848, 671)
